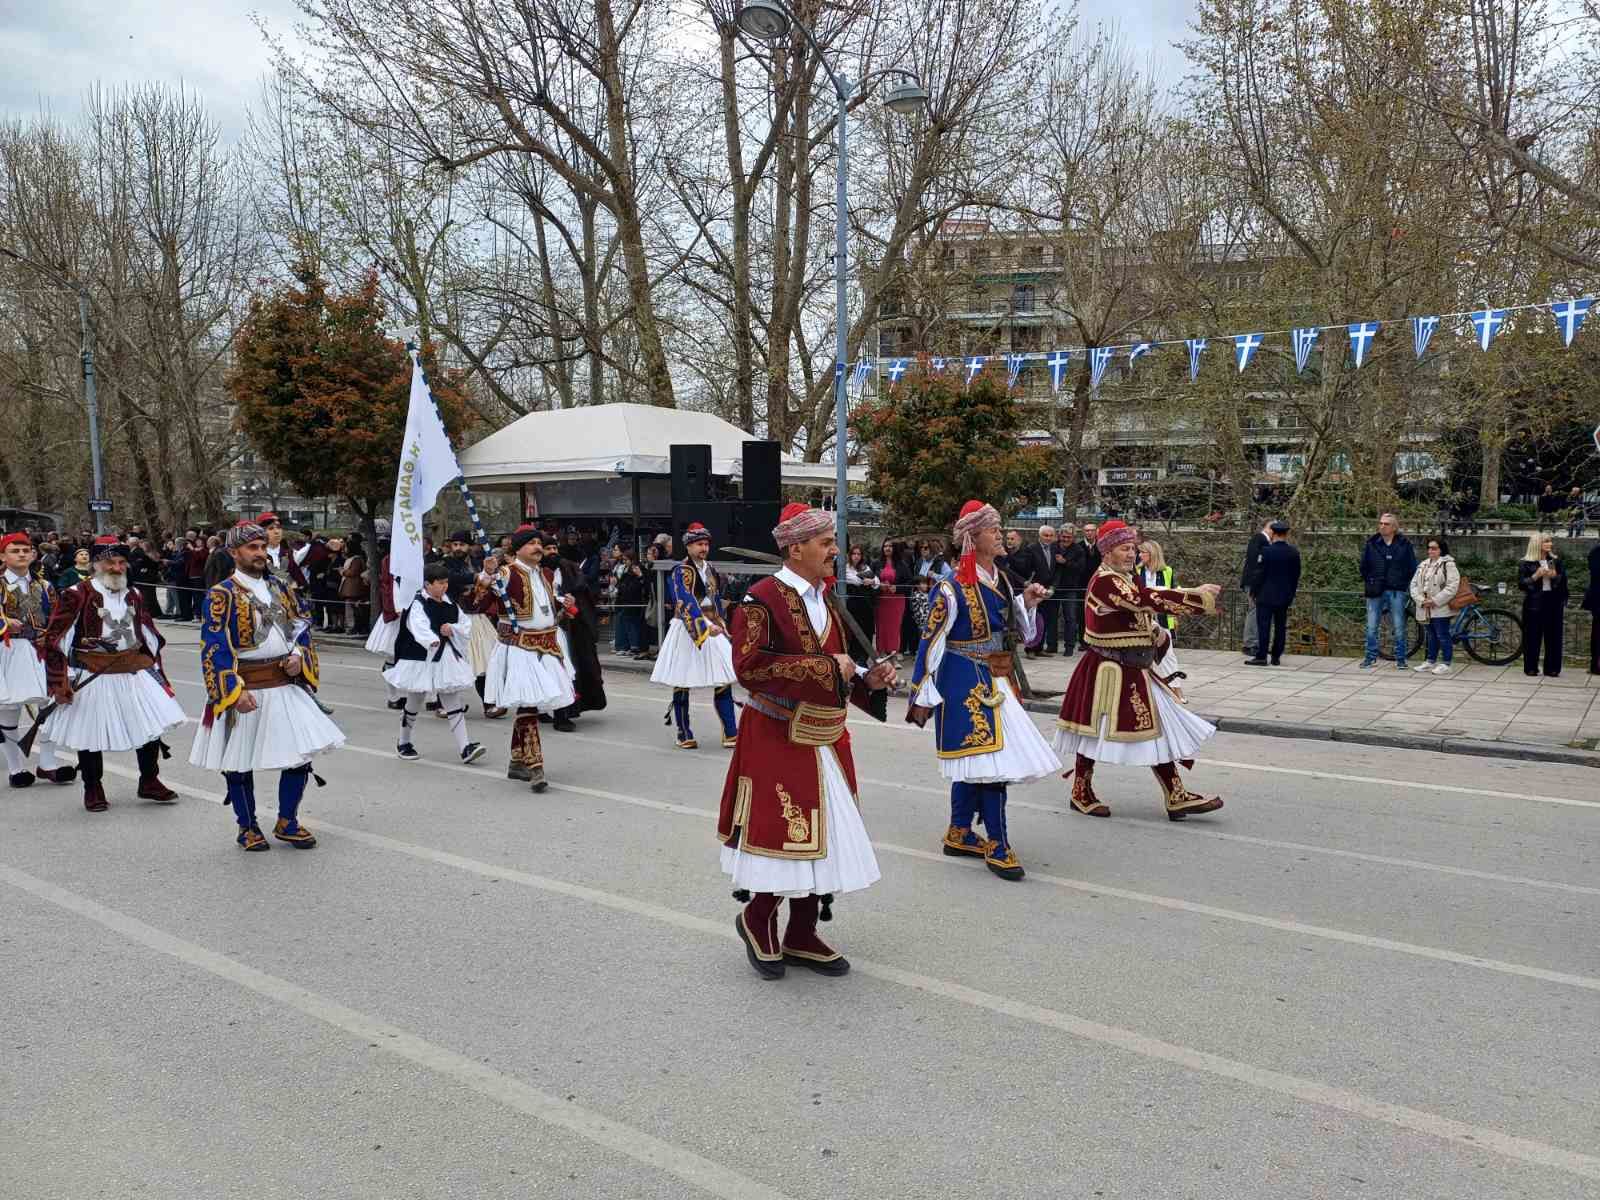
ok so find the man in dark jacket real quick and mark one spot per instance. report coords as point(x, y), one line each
point(583, 629)
point(1276, 584)
point(1387, 564)
point(1036, 563)
point(1079, 562)
point(1250, 582)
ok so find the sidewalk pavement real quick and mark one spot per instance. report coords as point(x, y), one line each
point(1473, 701)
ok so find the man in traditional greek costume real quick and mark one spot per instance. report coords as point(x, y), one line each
point(696, 651)
point(984, 738)
point(26, 602)
point(789, 825)
point(530, 668)
point(1117, 709)
point(260, 671)
point(102, 659)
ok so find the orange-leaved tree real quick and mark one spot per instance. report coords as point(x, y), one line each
point(322, 392)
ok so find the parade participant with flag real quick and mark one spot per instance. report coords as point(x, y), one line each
point(963, 677)
point(260, 671)
point(531, 667)
point(1116, 709)
point(788, 824)
point(696, 651)
point(102, 659)
point(26, 602)
point(431, 657)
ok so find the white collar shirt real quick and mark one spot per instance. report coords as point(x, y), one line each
point(816, 605)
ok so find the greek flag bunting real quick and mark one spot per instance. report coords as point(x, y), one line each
point(974, 365)
point(1245, 345)
point(1014, 364)
point(1099, 356)
point(1304, 340)
point(1422, 333)
point(1361, 335)
point(897, 369)
point(1138, 352)
point(1569, 316)
point(1197, 347)
point(1058, 362)
point(936, 365)
point(1487, 322)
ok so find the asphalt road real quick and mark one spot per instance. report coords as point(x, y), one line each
point(1374, 974)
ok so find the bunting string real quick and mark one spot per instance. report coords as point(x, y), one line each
point(1484, 324)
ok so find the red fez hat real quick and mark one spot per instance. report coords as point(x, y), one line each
point(19, 538)
point(268, 516)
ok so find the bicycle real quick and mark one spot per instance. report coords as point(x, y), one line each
point(1491, 636)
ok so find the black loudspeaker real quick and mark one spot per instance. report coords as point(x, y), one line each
point(762, 476)
point(730, 523)
point(691, 475)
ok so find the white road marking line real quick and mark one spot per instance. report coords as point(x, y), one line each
point(710, 1177)
point(1171, 903)
point(643, 1148)
point(1164, 828)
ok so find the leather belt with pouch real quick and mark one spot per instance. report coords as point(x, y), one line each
point(264, 673)
point(113, 662)
point(1138, 657)
point(540, 641)
point(1000, 662)
point(809, 724)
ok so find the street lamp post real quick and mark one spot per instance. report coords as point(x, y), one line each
point(767, 20)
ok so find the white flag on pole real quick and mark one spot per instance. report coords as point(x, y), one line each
point(427, 465)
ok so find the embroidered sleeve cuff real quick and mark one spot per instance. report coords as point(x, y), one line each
point(231, 688)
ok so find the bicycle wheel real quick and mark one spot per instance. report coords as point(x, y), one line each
point(1493, 636)
point(1415, 643)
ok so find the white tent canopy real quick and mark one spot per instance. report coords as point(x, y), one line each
point(605, 441)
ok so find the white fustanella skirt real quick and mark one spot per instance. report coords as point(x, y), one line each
point(287, 729)
point(682, 664)
point(850, 864)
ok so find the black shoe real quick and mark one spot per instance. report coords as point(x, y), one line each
point(1277, 662)
point(407, 751)
point(22, 779)
point(519, 772)
point(1255, 662)
point(546, 719)
point(57, 774)
point(396, 705)
point(565, 725)
point(472, 752)
point(765, 967)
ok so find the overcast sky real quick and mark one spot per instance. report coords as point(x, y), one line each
point(54, 50)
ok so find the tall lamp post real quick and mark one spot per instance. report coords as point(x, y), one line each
point(768, 20)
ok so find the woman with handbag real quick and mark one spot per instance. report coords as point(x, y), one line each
point(1435, 584)
point(1542, 576)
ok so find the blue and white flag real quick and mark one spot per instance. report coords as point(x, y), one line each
point(974, 365)
point(1487, 322)
point(1569, 316)
point(1304, 341)
point(1361, 335)
point(1099, 356)
point(897, 369)
point(1014, 368)
point(858, 382)
point(1138, 352)
point(1244, 346)
point(1197, 347)
point(936, 365)
point(1059, 362)
point(427, 466)
point(1422, 333)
